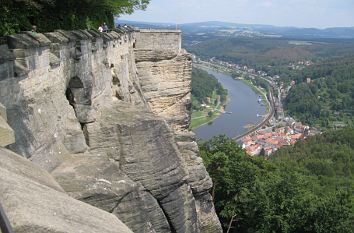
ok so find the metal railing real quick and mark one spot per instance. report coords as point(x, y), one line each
point(5, 225)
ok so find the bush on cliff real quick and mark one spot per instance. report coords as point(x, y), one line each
point(48, 15)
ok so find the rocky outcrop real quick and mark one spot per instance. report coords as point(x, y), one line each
point(34, 202)
point(165, 77)
point(107, 115)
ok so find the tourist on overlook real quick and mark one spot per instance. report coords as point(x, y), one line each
point(100, 28)
point(105, 27)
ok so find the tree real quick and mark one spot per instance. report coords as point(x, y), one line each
point(49, 15)
point(284, 194)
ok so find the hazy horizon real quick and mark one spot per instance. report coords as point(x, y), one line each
point(217, 21)
point(293, 13)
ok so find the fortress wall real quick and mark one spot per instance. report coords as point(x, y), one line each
point(156, 39)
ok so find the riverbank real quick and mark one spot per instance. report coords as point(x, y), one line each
point(260, 91)
point(242, 108)
point(229, 71)
point(203, 117)
point(269, 109)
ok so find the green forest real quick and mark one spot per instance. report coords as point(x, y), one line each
point(268, 53)
point(329, 98)
point(49, 15)
point(305, 188)
point(203, 86)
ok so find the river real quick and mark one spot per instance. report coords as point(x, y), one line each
point(243, 105)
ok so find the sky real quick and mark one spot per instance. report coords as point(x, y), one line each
point(298, 13)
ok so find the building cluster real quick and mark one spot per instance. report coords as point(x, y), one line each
point(268, 140)
point(300, 65)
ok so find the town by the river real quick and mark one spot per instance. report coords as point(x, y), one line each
point(246, 117)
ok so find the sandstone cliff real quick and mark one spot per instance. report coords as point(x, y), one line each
point(107, 115)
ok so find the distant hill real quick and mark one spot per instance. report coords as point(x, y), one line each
point(144, 24)
point(210, 26)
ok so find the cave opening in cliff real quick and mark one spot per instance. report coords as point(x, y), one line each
point(70, 96)
point(75, 85)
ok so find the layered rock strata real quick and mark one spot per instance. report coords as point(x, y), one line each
point(107, 115)
point(32, 201)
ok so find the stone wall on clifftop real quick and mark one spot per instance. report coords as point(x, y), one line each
point(107, 115)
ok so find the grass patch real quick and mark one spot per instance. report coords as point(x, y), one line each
point(200, 118)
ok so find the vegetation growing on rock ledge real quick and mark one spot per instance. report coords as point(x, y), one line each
point(306, 188)
point(48, 15)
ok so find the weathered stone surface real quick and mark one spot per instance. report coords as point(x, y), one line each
point(159, 39)
point(98, 181)
point(20, 166)
point(85, 113)
point(34, 202)
point(144, 147)
point(147, 154)
point(6, 55)
point(177, 206)
point(200, 182)
point(166, 85)
point(142, 213)
point(7, 135)
point(108, 115)
point(207, 217)
point(21, 41)
point(154, 55)
point(198, 179)
point(3, 112)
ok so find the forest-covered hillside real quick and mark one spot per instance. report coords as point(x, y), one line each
point(329, 98)
point(305, 188)
point(261, 53)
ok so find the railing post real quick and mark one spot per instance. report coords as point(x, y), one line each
point(5, 225)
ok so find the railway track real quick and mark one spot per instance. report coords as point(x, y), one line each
point(262, 123)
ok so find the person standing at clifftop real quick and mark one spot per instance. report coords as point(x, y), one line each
point(105, 27)
point(100, 28)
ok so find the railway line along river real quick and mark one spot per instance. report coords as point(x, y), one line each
point(243, 109)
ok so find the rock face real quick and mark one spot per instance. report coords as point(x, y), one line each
point(107, 115)
point(7, 135)
point(34, 202)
